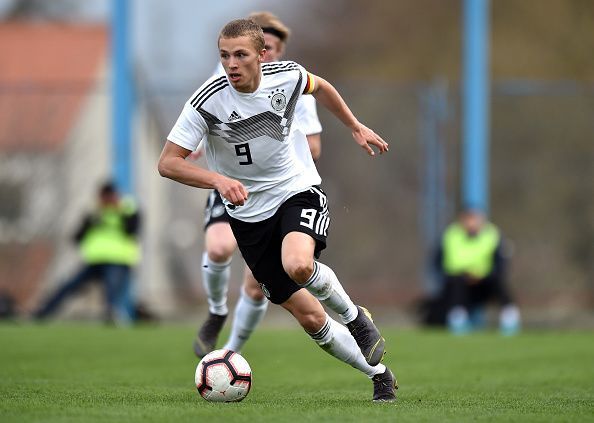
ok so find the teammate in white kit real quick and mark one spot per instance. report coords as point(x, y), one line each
point(260, 164)
point(219, 242)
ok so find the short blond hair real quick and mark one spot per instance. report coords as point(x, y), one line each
point(244, 27)
point(271, 24)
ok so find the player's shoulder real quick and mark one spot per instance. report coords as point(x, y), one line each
point(273, 68)
point(208, 89)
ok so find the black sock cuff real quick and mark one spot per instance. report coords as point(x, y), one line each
point(314, 275)
point(319, 335)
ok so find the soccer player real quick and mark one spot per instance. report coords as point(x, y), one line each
point(261, 165)
point(219, 240)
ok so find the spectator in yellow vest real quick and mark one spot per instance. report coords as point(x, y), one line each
point(109, 248)
point(471, 263)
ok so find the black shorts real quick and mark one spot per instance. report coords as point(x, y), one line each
point(214, 211)
point(260, 242)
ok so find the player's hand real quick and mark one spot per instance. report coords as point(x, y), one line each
point(232, 190)
point(366, 138)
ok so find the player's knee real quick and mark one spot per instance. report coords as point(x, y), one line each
point(220, 253)
point(298, 269)
point(220, 243)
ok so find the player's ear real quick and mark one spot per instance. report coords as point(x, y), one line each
point(261, 55)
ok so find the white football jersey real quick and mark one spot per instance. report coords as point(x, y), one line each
point(251, 137)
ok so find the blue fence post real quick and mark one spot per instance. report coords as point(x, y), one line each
point(476, 81)
point(434, 205)
point(122, 98)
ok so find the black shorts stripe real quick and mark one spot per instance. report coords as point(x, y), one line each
point(326, 225)
point(323, 217)
point(321, 225)
point(323, 198)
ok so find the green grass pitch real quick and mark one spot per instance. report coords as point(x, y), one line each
point(87, 373)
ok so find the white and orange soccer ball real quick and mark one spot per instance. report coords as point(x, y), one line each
point(223, 376)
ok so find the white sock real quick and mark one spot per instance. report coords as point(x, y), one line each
point(248, 314)
point(215, 279)
point(325, 286)
point(337, 341)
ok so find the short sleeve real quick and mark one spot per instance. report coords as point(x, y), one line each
point(189, 129)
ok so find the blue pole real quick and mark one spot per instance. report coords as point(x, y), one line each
point(122, 98)
point(476, 99)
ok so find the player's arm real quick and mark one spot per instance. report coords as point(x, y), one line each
point(327, 95)
point(173, 165)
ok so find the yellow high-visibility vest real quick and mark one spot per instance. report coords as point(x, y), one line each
point(107, 241)
point(471, 255)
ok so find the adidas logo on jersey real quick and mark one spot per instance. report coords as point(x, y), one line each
point(234, 116)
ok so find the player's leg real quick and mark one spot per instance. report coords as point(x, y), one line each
point(216, 260)
point(337, 341)
point(220, 245)
point(249, 311)
point(298, 261)
point(261, 246)
point(304, 224)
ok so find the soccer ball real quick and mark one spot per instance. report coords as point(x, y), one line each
point(223, 376)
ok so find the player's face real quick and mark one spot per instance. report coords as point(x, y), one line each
point(241, 62)
point(274, 48)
